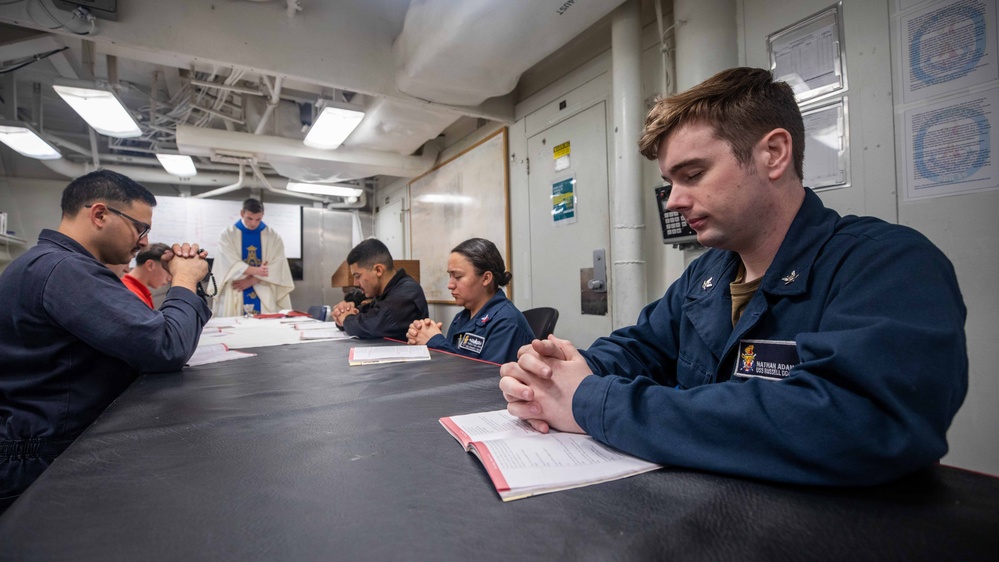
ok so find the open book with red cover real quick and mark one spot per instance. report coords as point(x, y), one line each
point(523, 462)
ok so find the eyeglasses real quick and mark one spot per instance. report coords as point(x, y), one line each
point(140, 227)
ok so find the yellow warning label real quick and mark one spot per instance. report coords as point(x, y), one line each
point(561, 150)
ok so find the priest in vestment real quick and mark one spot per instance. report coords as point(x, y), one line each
point(251, 268)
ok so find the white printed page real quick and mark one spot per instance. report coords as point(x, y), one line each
point(315, 325)
point(388, 353)
point(483, 426)
point(323, 333)
point(215, 353)
point(222, 322)
point(524, 466)
point(240, 333)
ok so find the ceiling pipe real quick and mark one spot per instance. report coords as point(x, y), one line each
point(112, 67)
point(153, 88)
point(273, 103)
point(359, 204)
point(229, 87)
point(267, 185)
point(131, 160)
point(210, 111)
point(226, 189)
point(89, 65)
point(94, 152)
point(362, 201)
point(36, 106)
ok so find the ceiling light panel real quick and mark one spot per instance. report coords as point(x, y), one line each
point(23, 140)
point(101, 109)
point(178, 164)
point(323, 189)
point(332, 127)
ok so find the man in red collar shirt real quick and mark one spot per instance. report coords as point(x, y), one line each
point(149, 273)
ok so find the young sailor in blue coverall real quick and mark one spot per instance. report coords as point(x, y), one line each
point(802, 347)
point(490, 327)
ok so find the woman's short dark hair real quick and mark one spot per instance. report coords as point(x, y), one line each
point(484, 256)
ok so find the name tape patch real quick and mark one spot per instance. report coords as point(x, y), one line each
point(767, 359)
point(472, 343)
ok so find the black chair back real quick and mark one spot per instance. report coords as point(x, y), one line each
point(542, 320)
point(319, 312)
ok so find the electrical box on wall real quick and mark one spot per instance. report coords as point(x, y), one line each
point(106, 9)
point(676, 231)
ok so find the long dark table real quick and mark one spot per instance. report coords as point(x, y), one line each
point(293, 455)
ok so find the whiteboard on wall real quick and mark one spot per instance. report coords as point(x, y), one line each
point(200, 221)
point(464, 197)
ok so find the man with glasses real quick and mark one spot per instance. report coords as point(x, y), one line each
point(72, 337)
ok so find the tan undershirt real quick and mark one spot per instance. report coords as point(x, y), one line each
point(742, 293)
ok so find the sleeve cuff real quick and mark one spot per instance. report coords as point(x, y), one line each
point(437, 342)
point(588, 405)
point(194, 301)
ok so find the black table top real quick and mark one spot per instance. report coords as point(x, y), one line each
point(293, 455)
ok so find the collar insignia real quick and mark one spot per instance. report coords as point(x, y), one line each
point(484, 319)
point(790, 278)
point(707, 284)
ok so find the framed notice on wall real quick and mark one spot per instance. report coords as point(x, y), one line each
point(827, 142)
point(809, 55)
point(464, 197)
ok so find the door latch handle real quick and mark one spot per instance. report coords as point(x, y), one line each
point(599, 282)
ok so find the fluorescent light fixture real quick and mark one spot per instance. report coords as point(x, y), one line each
point(101, 109)
point(333, 126)
point(178, 164)
point(322, 189)
point(25, 141)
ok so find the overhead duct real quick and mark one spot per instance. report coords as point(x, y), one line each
point(143, 174)
point(292, 159)
point(400, 127)
point(463, 53)
point(228, 182)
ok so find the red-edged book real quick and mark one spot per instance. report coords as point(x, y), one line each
point(523, 462)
